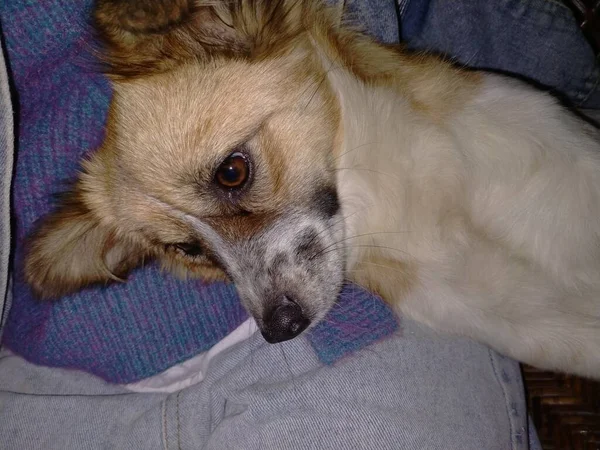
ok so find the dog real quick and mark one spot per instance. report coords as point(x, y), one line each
point(266, 143)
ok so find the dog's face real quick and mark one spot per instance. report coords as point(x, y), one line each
point(223, 169)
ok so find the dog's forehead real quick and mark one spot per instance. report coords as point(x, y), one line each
point(230, 93)
point(197, 110)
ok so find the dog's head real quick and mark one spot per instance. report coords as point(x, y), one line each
point(219, 161)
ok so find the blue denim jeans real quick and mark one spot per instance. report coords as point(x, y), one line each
point(415, 390)
point(536, 39)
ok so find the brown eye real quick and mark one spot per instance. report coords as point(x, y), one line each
point(189, 248)
point(233, 172)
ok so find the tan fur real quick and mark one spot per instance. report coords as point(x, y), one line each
point(98, 254)
point(432, 86)
point(265, 28)
point(390, 278)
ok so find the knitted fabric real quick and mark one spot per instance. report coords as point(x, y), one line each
point(124, 332)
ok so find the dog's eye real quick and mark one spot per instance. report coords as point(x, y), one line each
point(189, 248)
point(233, 171)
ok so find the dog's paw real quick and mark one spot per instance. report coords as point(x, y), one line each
point(143, 16)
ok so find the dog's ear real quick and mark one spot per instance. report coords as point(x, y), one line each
point(141, 37)
point(72, 249)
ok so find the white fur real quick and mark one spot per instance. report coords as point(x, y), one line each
point(496, 207)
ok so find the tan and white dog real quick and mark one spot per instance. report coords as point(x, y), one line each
point(262, 142)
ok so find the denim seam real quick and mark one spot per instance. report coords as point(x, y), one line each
point(560, 5)
point(5, 183)
point(164, 424)
point(505, 394)
point(591, 82)
point(547, 7)
point(402, 6)
point(177, 419)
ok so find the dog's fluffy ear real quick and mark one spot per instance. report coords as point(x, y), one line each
point(145, 36)
point(72, 250)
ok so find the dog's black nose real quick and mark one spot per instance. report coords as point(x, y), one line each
point(284, 322)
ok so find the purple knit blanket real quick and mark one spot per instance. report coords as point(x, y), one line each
point(126, 332)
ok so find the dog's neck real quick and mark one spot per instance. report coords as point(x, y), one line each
point(397, 121)
point(370, 135)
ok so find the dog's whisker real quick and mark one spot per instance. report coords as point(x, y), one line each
point(383, 247)
point(319, 83)
point(383, 266)
point(335, 64)
point(366, 169)
point(330, 226)
point(353, 149)
point(355, 237)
